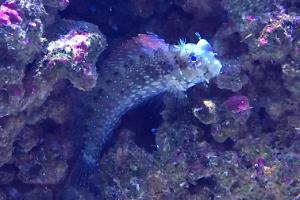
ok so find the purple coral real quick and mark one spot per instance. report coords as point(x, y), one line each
point(8, 13)
point(237, 103)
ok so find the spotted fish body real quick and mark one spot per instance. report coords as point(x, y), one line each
point(141, 68)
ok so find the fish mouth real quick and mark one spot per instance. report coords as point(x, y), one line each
point(189, 85)
point(195, 82)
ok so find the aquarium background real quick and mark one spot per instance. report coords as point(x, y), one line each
point(236, 137)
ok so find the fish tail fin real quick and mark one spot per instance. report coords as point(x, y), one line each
point(80, 174)
point(79, 183)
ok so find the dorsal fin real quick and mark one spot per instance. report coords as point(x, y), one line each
point(143, 44)
point(151, 40)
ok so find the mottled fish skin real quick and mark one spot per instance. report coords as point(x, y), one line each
point(143, 67)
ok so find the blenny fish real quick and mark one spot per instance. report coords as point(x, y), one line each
point(143, 67)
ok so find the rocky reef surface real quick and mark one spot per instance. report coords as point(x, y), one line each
point(237, 138)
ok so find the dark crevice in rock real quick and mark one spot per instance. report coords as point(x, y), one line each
point(144, 122)
point(227, 145)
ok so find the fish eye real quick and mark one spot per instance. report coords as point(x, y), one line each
point(193, 58)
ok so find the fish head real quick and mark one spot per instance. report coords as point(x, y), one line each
point(197, 62)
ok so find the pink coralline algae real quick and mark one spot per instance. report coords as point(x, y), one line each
point(283, 21)
point(8, 14)
point(237, 104)
point(78, 43)
point(72, 55)
point(262, 41)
